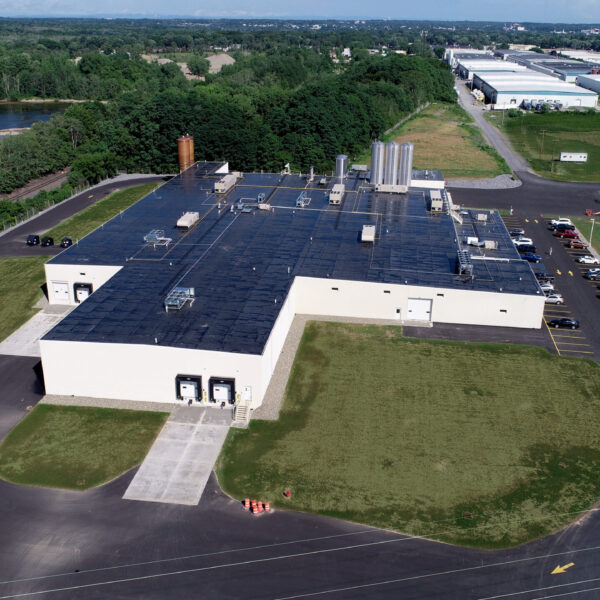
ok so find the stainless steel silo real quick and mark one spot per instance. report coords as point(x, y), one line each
point(390, 173)
point(341, 166)
point(377, 160)
point(406, 164)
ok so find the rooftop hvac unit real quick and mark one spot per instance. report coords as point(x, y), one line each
point(465, 266)
point(437, 204)
point(482, 217)
point(406, 164)
point(377, 160)
point(178, 296)
point(341, 166)
point(188, 220)
point(390, 172)
point(302, 200)
point(156, 237)
point(368, 233)
point(337, 193)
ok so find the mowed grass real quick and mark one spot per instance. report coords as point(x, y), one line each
point(410, 434)
point(584, 226)
point(95, 215)
point(446, 138)
point(76, 447)
point(540, 138)
point(20, 288)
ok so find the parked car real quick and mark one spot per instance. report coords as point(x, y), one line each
point(588, 259)
point(544, 277)
point(554, 299)
point(521, 248)
point(516, 231)
point(33, 240)
point(592, 274)
point(531, 257)
point(577, 244)
point(66, 242)
point(559, 221)
point(566, 233)
point(564, 322)
point(546, 285)
point(522, 240)
point(563, 227)
point(47, 241)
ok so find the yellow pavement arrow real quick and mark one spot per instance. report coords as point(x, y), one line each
point(571, 273)
point(558, 272)
point(536, 220)
point(526, 220)
point(560, 569)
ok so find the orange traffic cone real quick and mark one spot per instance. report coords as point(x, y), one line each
point(247, 504)
point(267, 507)
point(260, 507)
point(254, 509)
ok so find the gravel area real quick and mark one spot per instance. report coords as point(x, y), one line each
point(108, 403)
point(497, 183)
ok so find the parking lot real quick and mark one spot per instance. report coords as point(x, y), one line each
point(580, 295)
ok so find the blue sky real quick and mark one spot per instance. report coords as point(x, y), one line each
point(569, 11)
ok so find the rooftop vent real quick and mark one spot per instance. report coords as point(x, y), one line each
point(302, 200)
point(178, 297)
point(465, 266)
point(368, 233)
point(156, 237)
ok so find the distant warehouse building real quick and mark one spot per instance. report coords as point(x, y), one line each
point(511, 90)
point(589, 82)
point(467, 68)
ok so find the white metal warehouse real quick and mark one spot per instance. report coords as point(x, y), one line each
point(509, 90)
point(199, 313)
point(467, 68)
point(589, 82)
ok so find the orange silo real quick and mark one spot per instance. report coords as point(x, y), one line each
point(185, 150)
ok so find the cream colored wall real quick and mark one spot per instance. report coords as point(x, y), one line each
point(369, 300)
point(138, 372)
point(97, 275)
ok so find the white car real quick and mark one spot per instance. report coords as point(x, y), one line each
point(546, 285)
point(588, 260)
point(522, 240)
point(561, 221)
point(554, 299)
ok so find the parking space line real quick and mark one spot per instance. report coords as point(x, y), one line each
point(574, 337)
point(572, 344)
point(577, 351)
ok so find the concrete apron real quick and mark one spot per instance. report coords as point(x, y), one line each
point(178, 466)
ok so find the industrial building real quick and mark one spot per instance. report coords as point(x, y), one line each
point(589, 82)
point(467, 68)
point(453, 55)
point(198, 310)
point(510, 90)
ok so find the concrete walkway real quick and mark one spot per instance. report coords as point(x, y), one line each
point(25, 341)
point(178, 466)
point(491, 134)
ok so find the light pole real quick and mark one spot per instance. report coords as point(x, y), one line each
point(592, 232)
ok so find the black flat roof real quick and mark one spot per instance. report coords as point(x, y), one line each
point(243, 262)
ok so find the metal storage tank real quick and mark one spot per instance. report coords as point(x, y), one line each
point(341, 166)
point(390, 173)
point(185, 150)
point(406, 164)
point(377, 160)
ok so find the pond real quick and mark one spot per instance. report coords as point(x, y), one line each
point(23, 114)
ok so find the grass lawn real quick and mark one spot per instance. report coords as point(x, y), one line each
point(409, 434)
point(541, 138)
point(446, 138)
point(76, 447)
point(584, 226)
point(92, 217)
point(20, 288)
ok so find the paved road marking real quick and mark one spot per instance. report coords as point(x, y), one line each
point(536, 220)
point(571, 273)
point(572, 344)
point(558, 272)
point(577, 351)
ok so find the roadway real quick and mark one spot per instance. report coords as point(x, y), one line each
point(12, 243)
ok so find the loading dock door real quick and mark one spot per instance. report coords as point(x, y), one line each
point(188, 390)
point(221, 390)
point(61, 291)
point(419, 309)
point(82, 294)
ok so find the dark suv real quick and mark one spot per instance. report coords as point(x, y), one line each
point(33, 240)
point(47, 241)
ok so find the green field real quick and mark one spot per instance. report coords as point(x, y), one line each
point(409, 434)
point(21, 281)
point(540, 138)
point(446, 138)
point(584, 226)
point(76, 447)
point(95, 215)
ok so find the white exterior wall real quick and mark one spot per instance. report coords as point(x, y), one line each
point(97, 275)
point(368, 300)
point(139, 372)
point(503, 100)
point(590, 82)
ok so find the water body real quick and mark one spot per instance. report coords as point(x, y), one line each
point(24, 114)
